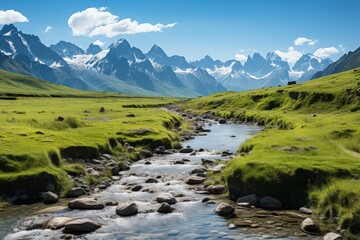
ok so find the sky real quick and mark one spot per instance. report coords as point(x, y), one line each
point(223, 29)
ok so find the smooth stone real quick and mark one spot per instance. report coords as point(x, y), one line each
point(252, 199)
point(76, 192)
point(57, 223)
point(197, 170)
point(186, 150)
point(205, 199)
point(194, 180)
point(136, 188)
point(224, 209)
point(270, 203)
point(164, 208)
point(332, 236)
point(305, 210)
point(216, 189)
point(80, 226)
point(232, 226)
point(244, 204)
point(166, 197)
point(151, 180)
point(127, 209)
point(309, 226)
point(85, 203)
point(210, 202)
point(50, 197)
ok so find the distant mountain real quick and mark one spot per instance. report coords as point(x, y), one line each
point(67, 49)
point(308, 65)
point(347, 62)
point(93, 49)
point(207, 62)
point(157, 55)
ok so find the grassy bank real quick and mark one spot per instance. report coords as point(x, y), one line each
point(309, 153)
point(37, 133)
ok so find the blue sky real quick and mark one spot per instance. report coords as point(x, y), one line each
point(223, 29)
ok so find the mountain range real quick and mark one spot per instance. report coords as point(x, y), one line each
point(125, 68)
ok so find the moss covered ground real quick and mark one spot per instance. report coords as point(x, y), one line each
point(309, 152)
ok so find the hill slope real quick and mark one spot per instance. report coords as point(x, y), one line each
point(309, 153)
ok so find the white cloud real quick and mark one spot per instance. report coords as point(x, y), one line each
point(11, 16)
point(342, 48)
point(99, 43)
point(48, 29)
point(303, 40)
point(326, 52)
point(240, 57)
point(291, 56)
point(97, 21)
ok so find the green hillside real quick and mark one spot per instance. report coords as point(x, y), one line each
point(309, 152)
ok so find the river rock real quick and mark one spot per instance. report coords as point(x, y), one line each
point(80, 226)
point(136, 188)
point(197, 170)
point(166, 197)
point(127, 209)
point(186, 150)
point(270, 203)
point(218, 168)
point(222, 121)
point(224, 209)
point(50, 197)
point(76, 192)
point(332, 236)
point(207, 161)
point(193, 180)
point(252, 199)
point(85, 203)
point(244, 204)
point(305, 210)
point(159, 150)
point(151, 180)
point(164, 208)
point(205, 199)
point(56, 223)
point(309, 226)
point(216, 189)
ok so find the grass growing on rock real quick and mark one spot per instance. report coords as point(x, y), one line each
point(310, 146)
point(36, 133)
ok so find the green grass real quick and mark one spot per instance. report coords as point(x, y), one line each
point(311, 142)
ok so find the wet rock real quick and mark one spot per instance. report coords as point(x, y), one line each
point(166, 197)
point(305, 210)
point(332, 236)
point(232, 226)
point(159, 150)
point(112, 203)
point(197, 170)
point(207, 161)
point(206, 199)
point(224, 209)
point(80, 226)
point(127, 209)
point(85, 203)
point(203, 175)
point(270, 203)
point(34, 223)
point(244, 204)
point(193, 180)
point(210, 202)
point(56, 223)
point(165, 208)
point(76, 192)
point(242, 223)
point(216, 189)
point(252, 199)
point(222, 121)
point(186, 150)
point(147, 163)
point(151, 180)
point(50, 197)
point(179, 162)
point(136, 188)
point(309, 226)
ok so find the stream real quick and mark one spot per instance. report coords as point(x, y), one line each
point(191, 218)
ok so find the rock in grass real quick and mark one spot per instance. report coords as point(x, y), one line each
point(165, 208)
point(216, 189)
point(305, 210)
point(193, 180)
point(50, 197)
point(85, 203)
point(80, 226)
point(251, 198)
point(309, 226)
point(166, 197)
point(270, 203)
point(57, 223)
point(332, 236)
point(224, 209)
point(127, 209)
point(76, 192)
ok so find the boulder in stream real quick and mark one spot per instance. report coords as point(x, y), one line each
point(309, 226)
point(224, 209)
point(216, 189)
point(332, 236)
point(85, 203)
point(76, 192)
point(50, 197)
point(127, 209)
point(56, 223)
point(270, 203)
point(193, 180)
point(186, 150)
point(165, 208)
point(166, 197)
point(80, 226)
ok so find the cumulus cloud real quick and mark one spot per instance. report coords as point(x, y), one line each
point(99, 43)
point(240, 57)
point(326, 52)
point(11, 16)
point(303, 40)
point(48, 29)
point(98, 21)
point(291, 56)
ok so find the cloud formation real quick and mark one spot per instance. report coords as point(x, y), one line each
point(48, 29)
point(240, 57)
point(11, 16)
point(99, 43)
point(303, 40)
point(97, 21)
point(291, 56)
point(326, 52)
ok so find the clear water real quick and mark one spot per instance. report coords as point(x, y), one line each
point(191, 220)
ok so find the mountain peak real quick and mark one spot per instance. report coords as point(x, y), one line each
point(93, 49)
point(121, 42)
point(156, 52)
point(7, 28)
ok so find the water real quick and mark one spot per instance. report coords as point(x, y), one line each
point(191, 219)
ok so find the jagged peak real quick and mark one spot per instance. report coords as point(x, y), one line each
point(156, 50)
point(120, 42)
point(8, 27)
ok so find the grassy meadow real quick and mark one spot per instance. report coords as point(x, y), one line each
point(309, 152)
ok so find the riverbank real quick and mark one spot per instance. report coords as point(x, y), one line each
point(308, 154)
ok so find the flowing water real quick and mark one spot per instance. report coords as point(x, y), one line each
point(191, 220)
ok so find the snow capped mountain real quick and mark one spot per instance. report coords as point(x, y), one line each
point(308, 65)
point(66, 49)
point(93, 49)
point(207, 62)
